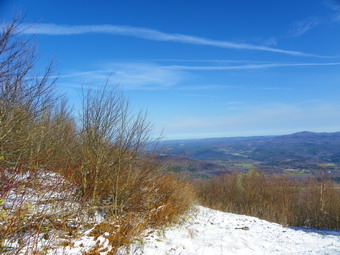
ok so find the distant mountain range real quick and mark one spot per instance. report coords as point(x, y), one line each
point(303, 151)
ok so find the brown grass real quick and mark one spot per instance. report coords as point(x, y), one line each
point(157, 204)
point(309, 202)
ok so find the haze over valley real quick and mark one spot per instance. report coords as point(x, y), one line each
point(303, 154)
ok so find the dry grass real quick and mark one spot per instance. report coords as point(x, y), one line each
point(156, 205)
point(278, 199)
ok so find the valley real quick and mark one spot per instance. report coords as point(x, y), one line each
point(298, 155)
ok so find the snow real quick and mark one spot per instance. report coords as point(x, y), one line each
point(209, 232)
point(212, 232)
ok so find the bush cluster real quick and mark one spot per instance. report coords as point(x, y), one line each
point(291, 202)
point(56, 167)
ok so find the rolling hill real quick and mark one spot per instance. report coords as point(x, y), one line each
point(298, 154)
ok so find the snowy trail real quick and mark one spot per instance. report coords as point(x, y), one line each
point(212, 232)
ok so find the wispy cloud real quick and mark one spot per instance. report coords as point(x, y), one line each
point(144, 76)
point(249, 66)
point(272, 88)
point(335, 6)
point(151, 76)
point(202, 95)
point(270, 42)
point(304, 26)
point(207, 60)
point(149, 34)
point(204, 87)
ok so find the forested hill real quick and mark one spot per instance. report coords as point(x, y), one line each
point(298, 154)
point(302, 145)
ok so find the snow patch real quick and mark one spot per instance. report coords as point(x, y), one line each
point(216, 233)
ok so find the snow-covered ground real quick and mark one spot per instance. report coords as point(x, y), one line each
point(212, 232)
point(202, 231)
point(209, 232)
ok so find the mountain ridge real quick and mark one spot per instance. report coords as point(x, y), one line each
point(301, 152)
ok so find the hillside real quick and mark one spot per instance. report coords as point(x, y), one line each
point(206, 231)
point(304, 153)
point(303, 146)
point(212, 232)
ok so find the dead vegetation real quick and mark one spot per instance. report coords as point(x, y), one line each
point(291, 202)
point(62, 174)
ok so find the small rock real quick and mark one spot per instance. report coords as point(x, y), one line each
point(243, 228)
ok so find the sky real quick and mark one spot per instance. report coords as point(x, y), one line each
point(200, 68)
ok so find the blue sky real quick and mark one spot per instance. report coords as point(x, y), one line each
point(203, 68)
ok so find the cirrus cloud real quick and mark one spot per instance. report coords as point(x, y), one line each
point(149, 34)
point(304, 26)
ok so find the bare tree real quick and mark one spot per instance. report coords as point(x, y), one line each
point(24, 94)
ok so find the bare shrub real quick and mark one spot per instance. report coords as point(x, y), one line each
point(111, 140)
point(24, 96)
point(54, 171)
point(316, 205)
point(115, 175)
point(159, 203)
point(277, 198)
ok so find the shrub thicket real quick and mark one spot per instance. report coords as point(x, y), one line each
point(56, 167)
point(309, 202)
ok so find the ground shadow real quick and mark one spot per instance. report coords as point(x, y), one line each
point(318, 231)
